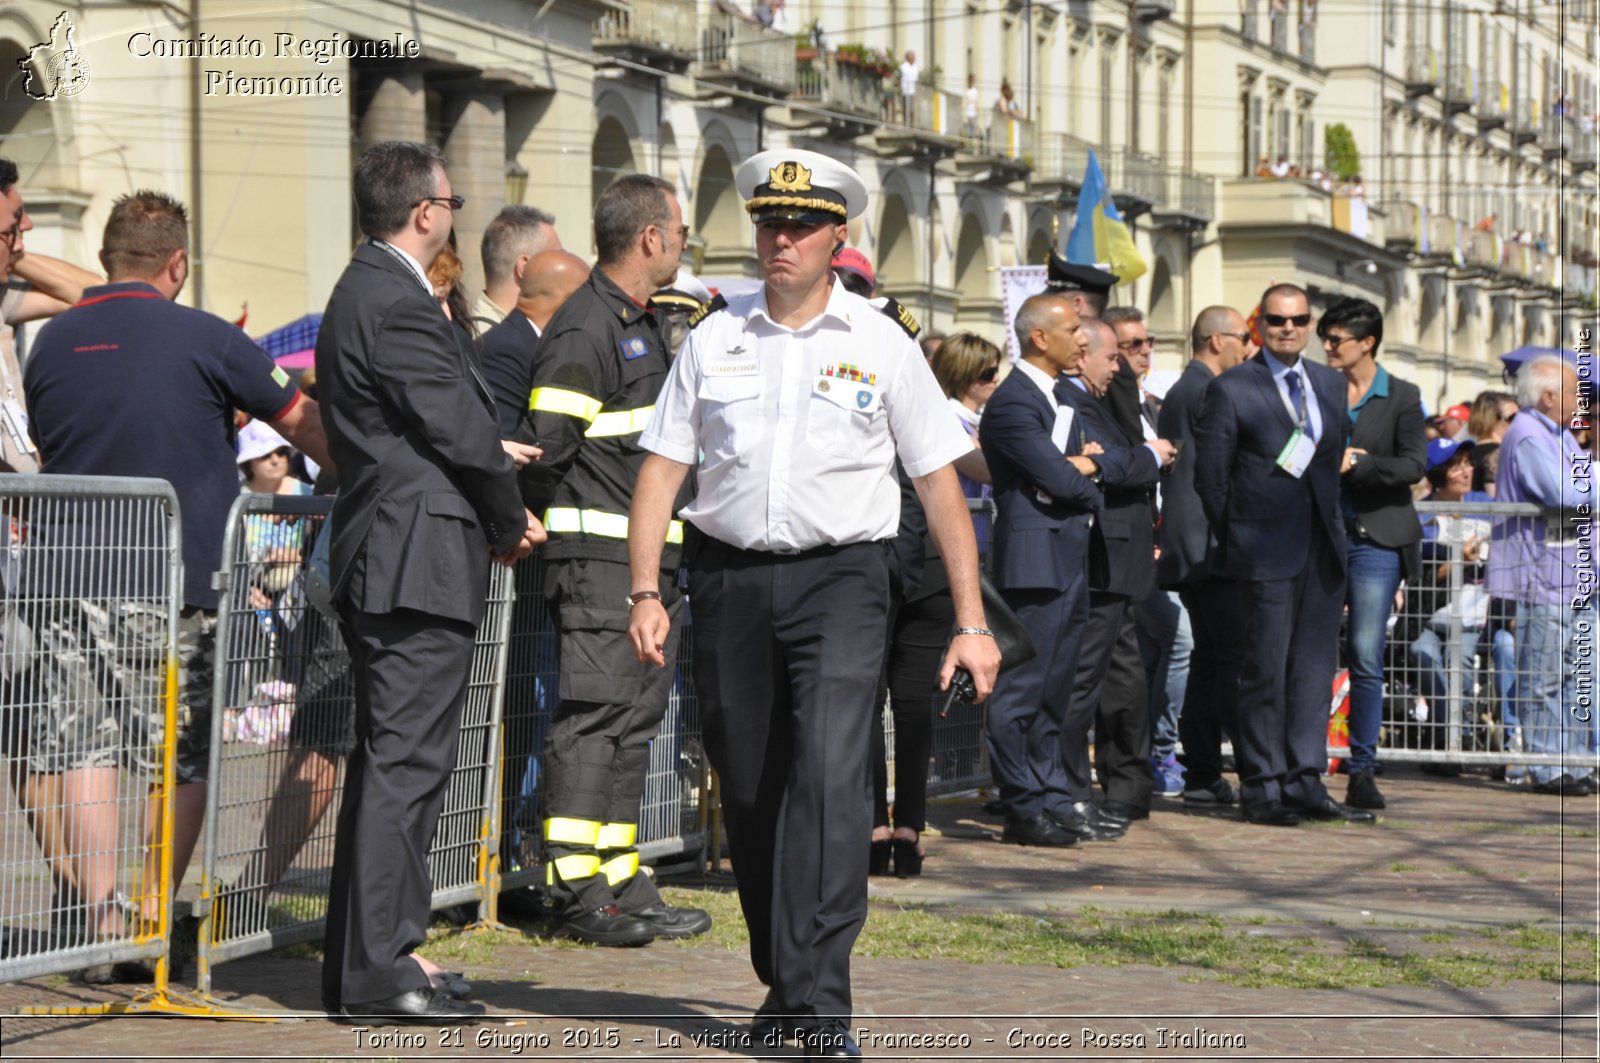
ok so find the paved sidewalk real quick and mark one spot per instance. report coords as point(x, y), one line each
point(1463, 853)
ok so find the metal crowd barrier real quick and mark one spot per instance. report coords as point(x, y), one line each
point(283, 728)
point(92, 578)
point(1455, 677)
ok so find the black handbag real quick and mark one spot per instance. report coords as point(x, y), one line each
point(1010, 637)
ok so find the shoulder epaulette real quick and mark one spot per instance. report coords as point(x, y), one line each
point(707, 308)
point(901, 317)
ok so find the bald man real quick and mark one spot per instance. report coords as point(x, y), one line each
point(508, 348)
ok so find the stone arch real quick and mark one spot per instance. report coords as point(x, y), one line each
point(612, 156)
point(972, 277)
point(1006, 248)
point(899, 257)
point(671, 170)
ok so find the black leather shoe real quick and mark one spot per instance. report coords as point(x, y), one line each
point(422, 1007)
point(830, 1040)
point(1271, 814)
point(1333, 810)
point(1363, 792)
point(1124, 811)
point(770, 1027)
point(451, 984)
point(1076, 824)
point(610, 927)
point(670, 922)
point(1566, 786)
point(1038, 829)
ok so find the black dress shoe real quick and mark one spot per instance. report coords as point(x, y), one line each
point(879, 856)
point(610, 927)
point(1566, 786)
point(1124, 811)
point(994, 807)
point(422, 1007)
point(1076, 824)
point(1363, 792)
point(670, 922)
point(830, 1040)
point(1270, 814)
point(1037, 829)
point(770, 1026)
point(1333, 810)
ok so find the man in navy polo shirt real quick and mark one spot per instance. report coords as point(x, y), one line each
point(129, 383)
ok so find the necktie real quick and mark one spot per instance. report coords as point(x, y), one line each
point(1295, 400)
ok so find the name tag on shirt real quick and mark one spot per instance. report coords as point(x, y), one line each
point(733, 368)
point(1295, 458)
point(849, 394)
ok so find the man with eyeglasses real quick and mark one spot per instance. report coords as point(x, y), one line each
point(427, 497)
point(1220, 340)
point(1269, 445)
point(597, 372)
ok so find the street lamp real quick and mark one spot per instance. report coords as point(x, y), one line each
point(516, 181)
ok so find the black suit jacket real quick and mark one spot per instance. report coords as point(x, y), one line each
point(1186, 539)
point(1390, 429)
point(425, 488)
point(1125, 528)
point(1122, 399)
point(507, 355)
point(1263, 517)
point(1039, 542)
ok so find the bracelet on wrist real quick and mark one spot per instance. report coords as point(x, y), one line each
point(643, 596)
point(975, 631)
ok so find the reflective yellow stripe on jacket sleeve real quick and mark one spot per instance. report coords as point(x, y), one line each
point(559, 400)
point(598, 522)
point(620, 422)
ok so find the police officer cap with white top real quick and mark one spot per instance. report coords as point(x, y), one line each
point(792, 402)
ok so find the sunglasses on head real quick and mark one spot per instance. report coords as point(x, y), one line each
point(988, 375)
point(1280, 320)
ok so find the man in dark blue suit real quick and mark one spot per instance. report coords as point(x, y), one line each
point(1046, 503)
point(1124, 533)
point(1269, 442)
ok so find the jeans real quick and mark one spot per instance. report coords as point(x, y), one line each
point(1555, 684)
point(1165, 642)
point(1432, 659)
point(1374, 576)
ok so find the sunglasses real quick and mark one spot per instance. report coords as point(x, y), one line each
point(988, 375)
point(1279, 320)
point(1137, 344)
point(453, 202)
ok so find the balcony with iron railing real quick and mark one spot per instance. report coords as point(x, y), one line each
point(651, 29)
point(1407, 229)
point(1188, 201)
point(1523, 120)
point(1494, 101)
point(933, 127)
point(1585, 143)
point(1137, 181)
point(1460, 87)
point(737, 50)
point(1555, 135)
point(1482, 250)
point(1279, 17)
point(1250, 18)
point(1421, 69)
point(844, 88)
point(1059, 161)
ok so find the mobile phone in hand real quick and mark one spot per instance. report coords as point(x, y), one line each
point(962, 688)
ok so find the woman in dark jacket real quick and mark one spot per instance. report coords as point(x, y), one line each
point(1387, 454)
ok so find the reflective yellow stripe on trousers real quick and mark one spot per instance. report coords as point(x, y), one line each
point(598, 522)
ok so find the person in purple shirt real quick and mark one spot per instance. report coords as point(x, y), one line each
point(1546, 565)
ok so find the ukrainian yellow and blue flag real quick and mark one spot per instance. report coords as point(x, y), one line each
point(1100, 237)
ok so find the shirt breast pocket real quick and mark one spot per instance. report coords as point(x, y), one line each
point(730, 415)
point(843, 419)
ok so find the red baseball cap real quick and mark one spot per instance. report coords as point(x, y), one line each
point(1459, 412)
point(856, 263)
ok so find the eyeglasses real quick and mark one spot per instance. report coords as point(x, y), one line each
point(1137, 343)
point(453, 202)
point(1279, 320)
point(1336, 341)
point(988, 375)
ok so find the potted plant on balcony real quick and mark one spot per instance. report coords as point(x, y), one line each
point(805, 42)
point(1339, 152)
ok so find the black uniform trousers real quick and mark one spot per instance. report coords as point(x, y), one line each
point(788, 650)
point(598, 750)
point(1109, 693)
point(410, 671)
point(1031, 700)
point(1289, 636)
point(1211, 695)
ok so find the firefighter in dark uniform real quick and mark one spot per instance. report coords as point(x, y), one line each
point(791, 403)
point(600, 366)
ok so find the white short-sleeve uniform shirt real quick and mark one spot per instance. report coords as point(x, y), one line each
point(793, 432)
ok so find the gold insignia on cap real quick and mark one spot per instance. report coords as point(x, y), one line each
point(789, 177)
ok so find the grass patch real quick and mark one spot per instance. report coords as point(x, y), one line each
point(1400, 866)
point(1237, 952)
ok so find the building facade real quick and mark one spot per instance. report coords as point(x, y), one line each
point(1468, 208)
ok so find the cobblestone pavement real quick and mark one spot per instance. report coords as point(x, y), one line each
point(1459, 853)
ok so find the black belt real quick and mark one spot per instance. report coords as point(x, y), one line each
point(786, 553)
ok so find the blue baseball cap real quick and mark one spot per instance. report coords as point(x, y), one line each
point(1441, 450)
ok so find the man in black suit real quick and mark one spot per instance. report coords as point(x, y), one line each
point(1046, 504)
point(1219, 341)
point(1270, 440)
point(507, 350)
point(1127, 471)
point(427, 495)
